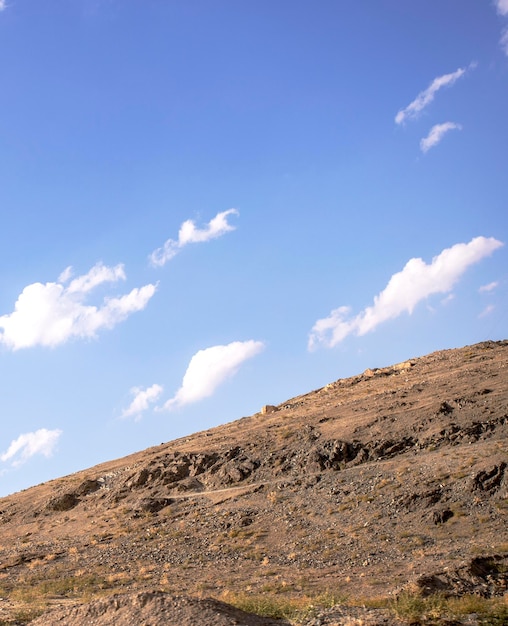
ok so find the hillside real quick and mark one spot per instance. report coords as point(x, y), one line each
point(392, 480)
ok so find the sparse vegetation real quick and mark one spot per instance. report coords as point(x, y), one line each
point(416, 609)
point(274, 606)
point(24, 616)
point(36, 589)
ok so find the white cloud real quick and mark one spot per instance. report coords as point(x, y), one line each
point(487, 311)
point(142, 400)
point(448, 299)
point(209, 368)
point(66, 274)
point(502, 9)
point(42, 441)
point(404, 291)
point(188, 233)
point(501, 6)
point(436, 133)
point(50, 314)
point(424, 98)
point(504, 41)
point(490, 287)
point(2, 5)
point(96, 276)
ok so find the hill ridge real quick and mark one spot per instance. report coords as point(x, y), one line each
point(392, 479)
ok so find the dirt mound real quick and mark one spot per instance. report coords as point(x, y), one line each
point(154, 608)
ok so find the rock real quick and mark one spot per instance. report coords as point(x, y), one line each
point(153, 505)
point(369, 373)
point(190, 484)
point(335, 454)
point(441, 517)
point(445, 408)
point(236, 470)
point(421, 499)
point(88, 486)
point(269, 408)
point(404, 366)
point(65, 502)
point(484, 576)
point(434, 583)
point(489, 480)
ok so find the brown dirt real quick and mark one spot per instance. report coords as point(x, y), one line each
point(153, 607)
point(391, 479)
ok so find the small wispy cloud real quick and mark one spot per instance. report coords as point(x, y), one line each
point(488, 288)
point(189, 233)
point(449, 298)
point(501, 6)
point(503, 42)
point(209, 368)
point(3, 5)
point(502, 9)
point(52, 313)
point(42, 441)
point(143, 398)
point(424, 98)
point(436, 133)
point(487, 311)
point(416, 282)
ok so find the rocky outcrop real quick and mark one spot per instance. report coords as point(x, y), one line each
point(490, 480)
point(486, 576)
point(63, 502)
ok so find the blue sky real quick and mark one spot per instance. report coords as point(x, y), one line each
point(212, 206)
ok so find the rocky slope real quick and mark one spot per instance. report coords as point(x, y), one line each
point(393, 479)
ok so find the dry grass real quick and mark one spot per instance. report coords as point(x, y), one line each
point(277, 607)
point(23, 616)
point(410, 608)
point(416, 609)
